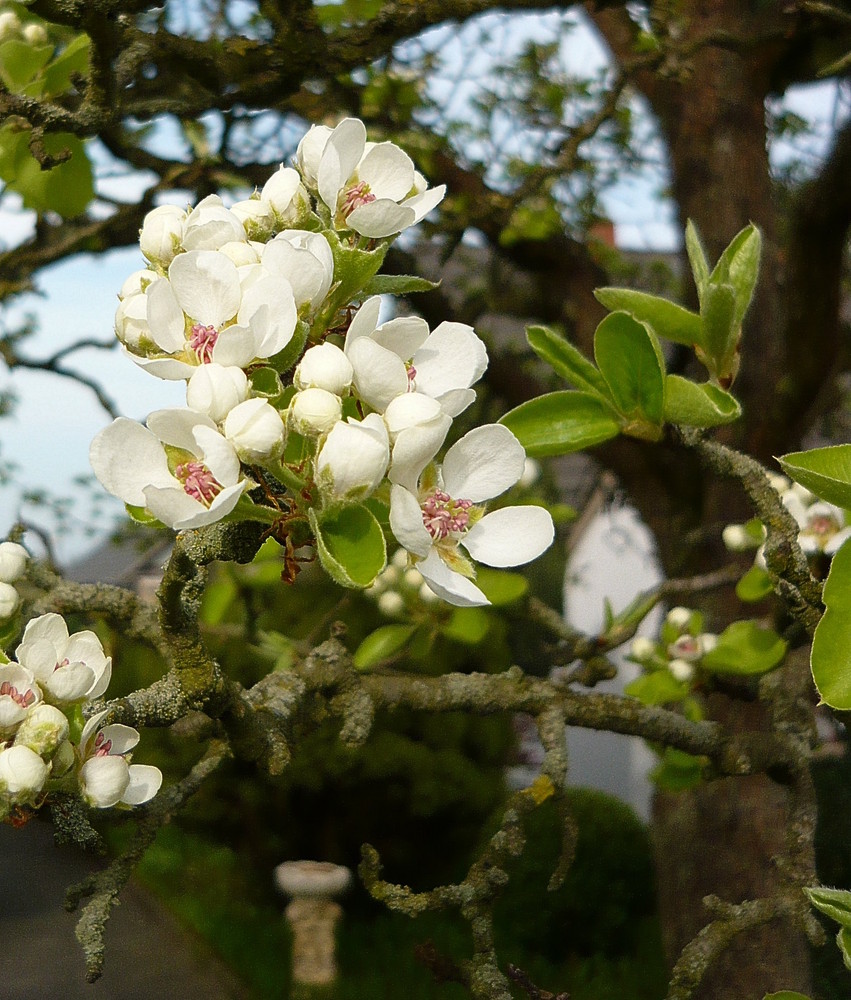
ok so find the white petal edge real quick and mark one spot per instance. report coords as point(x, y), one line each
point(510, 536)
point(449, 585)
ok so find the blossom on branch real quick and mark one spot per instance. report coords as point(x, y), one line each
point(107, 778)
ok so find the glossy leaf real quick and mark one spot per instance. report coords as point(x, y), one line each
point(566, 360)
point(698, 405)
point(630, 361)
point(665, 318)
point(561, 422)
point(830, 657)
point(824, 471)
point(381, 644)
point(745, 648)
point(350, 544)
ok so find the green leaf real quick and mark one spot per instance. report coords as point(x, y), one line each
point(467, 625)
point(353, 268)
point(66, 189)
point(824, 471)
point(843, 943)
point(500, 587)
point(265, 382)
point(218, 598)
point(287, 356)
point(830, 658)
point(785, 995)
point(738, 267)
point(745, 648)
point(698, 404)
point(834, 903)
point(381, 644)
point(399, 284)
point(754, 585)
point(658, 688)
point(630, 361)
point(561, 422)
point(350, 544)
point(72, 61)
point(20, 62)
point(697, 259)
point(566, 360)
point(720, 329)
point(141, 515)
point(666, 319)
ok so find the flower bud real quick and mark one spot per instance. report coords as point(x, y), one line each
point(681, 670)
point(104, 780)
point(413, 578)
point(642, 649)
point(210, 225)
point(427, 595)
point(22, 773)
point(63, 759)
point(255, 429)
point(43, 730)
point(13, 561)
point(34, 33)
point(215, 390)
point(256, 216)
point(708, 641)
point(324, 367)
point(131, 321)
point(736, 538)
point(161, 234)
point(679, 617)
point(314, 411)
point(137, 282)
point(779, 482)
point(10, 25)
point(285, 194)
point(391, 604)
point(10, 601)
point(310, 151)
point(352, 461)
point(241, 254)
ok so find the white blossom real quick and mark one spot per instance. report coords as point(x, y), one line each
point(305, 261)
point(286, 195)
point(215, 390)
point(131, 463)
point(19, 692)
point(210, 226)
point(371, 188)
point(10, 600)
point(69, 668)
point(106, 777)
point(403, 356)
point(445, 513)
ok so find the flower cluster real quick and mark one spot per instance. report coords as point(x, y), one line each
point(41, 693)
point(399, 590)
point(680, 649)
point(822, 527)
point(300, 402)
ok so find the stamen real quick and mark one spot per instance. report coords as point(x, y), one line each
point(24, 700)
point(103, 746)
point(443, 516)
point(412, 378)
point(59, 666)
point(198, 482)
point(202, 340)
point(355, 197)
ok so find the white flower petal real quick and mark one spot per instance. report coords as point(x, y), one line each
point(404, 336)
point(175, 426)
point(424, 202)
point(165, 317)
point(172, 506)
point(379, 376)
point(217, 453)
point(165, 368)
point(122, 738)
point(414, 448)
point(449, 585)
point(103, 780)
point(235, 347)
point(126, 457)
point(70, 682)
point(510, 536)
point(364, 321)
point(455, 402)
point(340, 156)
point(483, 464)
point(206, 285)
point(411, 409)
point(380, 218)
point(406, 522)
point(452, 357)
point(145, 782)
point(388, 170)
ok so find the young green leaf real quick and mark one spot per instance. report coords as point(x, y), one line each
point(566, 360)
point(830, 658)
point(631, 362)
point(350, 544)
point(833, 903)
point(754, 585)
point(467, 625)
point(666, 319)
point(738, 267)
point(658, 688)
point(745, 648)
point(500, 587)
point(697, 259)
point(720, 329)
point(398, 284)
point(561, 422)
point(698, 405)
point(381, 644)
point(824, 471)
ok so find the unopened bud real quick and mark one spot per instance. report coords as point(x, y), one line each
point(13, 561)
point(43, 729)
